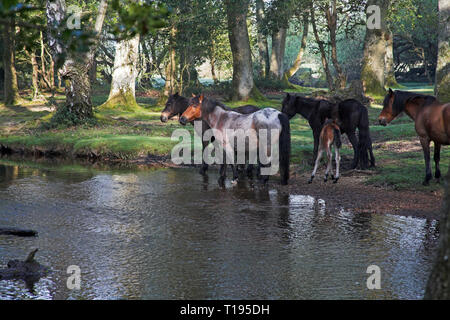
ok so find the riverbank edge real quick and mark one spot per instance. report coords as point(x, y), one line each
point(351, 193)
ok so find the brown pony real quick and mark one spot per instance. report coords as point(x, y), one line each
point(432, 122)
point(329, 135)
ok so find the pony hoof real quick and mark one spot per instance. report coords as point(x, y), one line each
point(310, 180)
point(438, 180)
point(235, 181)
point(202, 171)
point(221, 181)
point(426, 183)
point(325, 180)
point(335, 180)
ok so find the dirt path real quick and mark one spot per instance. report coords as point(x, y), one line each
point(351, 193)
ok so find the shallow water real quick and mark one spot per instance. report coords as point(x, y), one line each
point(171, 234)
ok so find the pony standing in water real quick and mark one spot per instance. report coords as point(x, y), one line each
point(230, 124)
point(176, 105)
point(432, 122)
point(329, 136)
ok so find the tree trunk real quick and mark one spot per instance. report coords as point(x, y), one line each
point(123, 89)
point(390, 79)
point(277, 55)
point(263, 48)
point(171, 67)
point(438, 286)
point(322, 52)
point(44, 79)
point(243, 85)
point(442, 89)
point(298, 60)
point(331, 15)
point(11, 89)
point(35, 76)
point(75, 71)
point(213, 62)
point(372, 71)
point(93, 72)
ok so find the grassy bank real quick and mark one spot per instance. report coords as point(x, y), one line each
point(130, 134)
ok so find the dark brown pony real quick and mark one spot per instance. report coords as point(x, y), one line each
point(351, 115)
point(177, 104)
point(432, 122)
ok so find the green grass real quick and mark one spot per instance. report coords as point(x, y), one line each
point(129, 134)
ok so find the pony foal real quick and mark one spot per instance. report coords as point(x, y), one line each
point(329, 136)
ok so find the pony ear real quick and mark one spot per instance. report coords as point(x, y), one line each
point(288, 95)
point(391, 92)
point(193, 95)
point(176, 94)
point(201, 98)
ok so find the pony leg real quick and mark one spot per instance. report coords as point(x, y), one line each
point(354, 142)
point(338, 160)
point(372, 158)
point(235, 169)
point(426, 153)
point(316, 135)
point(250, 171)
point(329, 165)
point(223, 170)
point(319, 156)
point(437, 158)
point(204, 167)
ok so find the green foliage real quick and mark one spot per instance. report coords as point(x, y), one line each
point(139, 17)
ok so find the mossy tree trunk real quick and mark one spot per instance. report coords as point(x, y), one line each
point(75, 70)
point(11, 89)
point(390, 80)
point(171, 67)
point(323, 54)
point(438, 286)
point(277, 54)
point(243, 84)
point(373, 66)
point(442, 89)
point(36, 95)
point(298, 60)
point(331, 15)
point(263, 47)
point(124, 74)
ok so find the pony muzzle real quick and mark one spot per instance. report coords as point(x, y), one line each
point(382, 121)
point(164, 117)
point(183, 120)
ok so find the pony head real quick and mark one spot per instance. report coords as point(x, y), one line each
point(171, 108)
point(388, 114)
point(288, 106)
point(194, 110)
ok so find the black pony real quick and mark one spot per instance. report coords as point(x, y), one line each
point(176, 105)
point(351, 114)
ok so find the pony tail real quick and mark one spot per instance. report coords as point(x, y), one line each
point(284, 148)
point(364, 138)
point(337, 138)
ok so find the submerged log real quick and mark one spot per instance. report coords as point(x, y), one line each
point(28, 270)
point(18, 232)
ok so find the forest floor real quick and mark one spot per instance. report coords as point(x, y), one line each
point(138, 136)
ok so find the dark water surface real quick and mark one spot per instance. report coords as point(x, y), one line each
point(171, 234)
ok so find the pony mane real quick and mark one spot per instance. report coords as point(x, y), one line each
point(402, 96)
point(209, 104)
